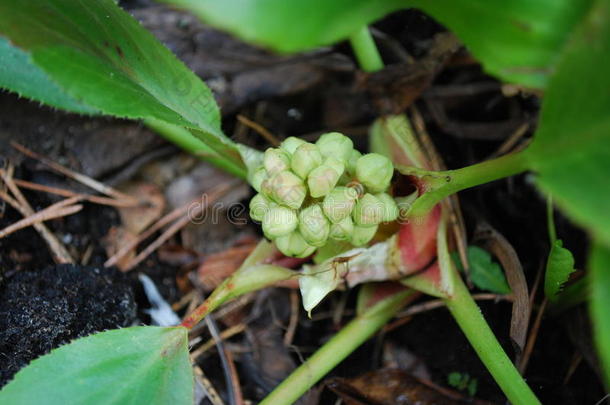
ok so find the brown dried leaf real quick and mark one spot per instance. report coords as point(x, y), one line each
point(391, 387)
point(136, 219)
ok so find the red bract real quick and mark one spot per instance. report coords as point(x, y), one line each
point(417, 242)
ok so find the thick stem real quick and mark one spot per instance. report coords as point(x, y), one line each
point(184, 139)
point(473, 324)
point(443, 184)
point(336, 349)
point(366, 51)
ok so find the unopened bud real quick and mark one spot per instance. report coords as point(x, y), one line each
point(336, 164)
point(291, 144)
point(351, 162)
point(368, 211)
point(275, 161)
point(375, 172)
point(342, 230)
point(390, 209)
point(257, 178)
point(336, 145)
point(304, 159)
point(259, 205)
point(314, 226)
point(361, 235)
point(287, 189)
point(339, 203)
point(279, 221)
point(294, 245)
point(322, 180)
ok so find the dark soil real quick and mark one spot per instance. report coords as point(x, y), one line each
point(41, 310)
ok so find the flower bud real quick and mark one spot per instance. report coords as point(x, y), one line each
point(266, 189)
point(336, 164)
point(351, 162)
point(361, 235)
point(294, 245)
point(390, 209)
point(374, 171)
point(287, 189)
point(314, 226)
point(256, 180)
point(279, 221)
point(335, 144)
point(368, 211)
point(275, 161)
point(322, 180)
point(339, 203)
point(342, 230)
point(304, 159)
point(291, 144)
point(259, 205)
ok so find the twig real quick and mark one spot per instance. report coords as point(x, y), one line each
point(216, 193)
point(224, 335)
point(81, 178)
point(264, 132)
point(41, 216)
point(511, 141)
point(68, 193)
point(574, 363)
point(531, 339)
point(224, 360)
point(294, 318)
point(208, 389)
point(58, 250)
point(239, 397)
point(405, 315)
point(169, 217)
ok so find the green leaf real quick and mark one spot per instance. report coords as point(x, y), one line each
point(17, 73)
point(138, 365)
point(559, 266)
point(484, 272)
point(290, 26)
point(92, 57)
point(519, 41)
point(571, 150)
point(599, 264)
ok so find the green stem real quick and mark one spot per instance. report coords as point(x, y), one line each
point(440, 185)
point(184, 139)
point(366, 51)
point(336, 349)
point(473, 324)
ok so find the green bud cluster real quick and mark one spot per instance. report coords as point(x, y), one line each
point(311, 194)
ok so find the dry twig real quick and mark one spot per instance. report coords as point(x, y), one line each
point(59, 252)
point(81, 178)
point(264, 132)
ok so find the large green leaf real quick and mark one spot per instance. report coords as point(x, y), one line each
point(517, 40)
point(92, 57)
point(290, 26)
point(18, 74)
point(599, 265)
point(571, 150)
point(139, 365)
